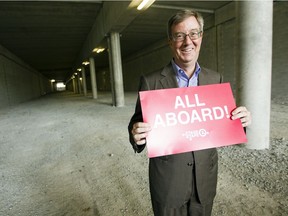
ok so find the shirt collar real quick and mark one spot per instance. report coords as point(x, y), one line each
point(180, 72)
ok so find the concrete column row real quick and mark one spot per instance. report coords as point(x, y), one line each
point(115, 64)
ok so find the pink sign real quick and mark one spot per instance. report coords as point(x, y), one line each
point(190, 119)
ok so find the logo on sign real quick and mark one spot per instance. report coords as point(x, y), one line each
point(195, 133)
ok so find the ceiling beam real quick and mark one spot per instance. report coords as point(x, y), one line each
point(112, 17)
point(171, 7)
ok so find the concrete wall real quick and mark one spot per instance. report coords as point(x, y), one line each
point(218, 50)
point(280, 50)
point(145, 61)
point(18, 81)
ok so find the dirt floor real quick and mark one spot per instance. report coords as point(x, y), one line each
point(65, 154)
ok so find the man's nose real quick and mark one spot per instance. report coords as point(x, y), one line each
point(187, 39)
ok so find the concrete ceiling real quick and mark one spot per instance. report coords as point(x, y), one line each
point(49, 35)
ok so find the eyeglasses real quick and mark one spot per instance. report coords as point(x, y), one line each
point(181, 36)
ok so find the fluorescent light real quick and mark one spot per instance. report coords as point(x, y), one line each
point(98, 50)
point(52, 80)
point(145, 4)
point(86, 63)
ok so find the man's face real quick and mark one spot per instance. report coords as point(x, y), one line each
point(186, 52)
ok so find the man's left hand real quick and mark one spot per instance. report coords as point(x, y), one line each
point(243, 114)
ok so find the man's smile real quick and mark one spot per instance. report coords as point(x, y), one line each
point(187, 50)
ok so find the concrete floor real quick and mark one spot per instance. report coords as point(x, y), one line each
point(65, 154)
point(61, 155)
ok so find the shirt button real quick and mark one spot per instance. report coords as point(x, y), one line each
point(189, 164)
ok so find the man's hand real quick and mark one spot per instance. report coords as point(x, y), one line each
point(140, 132)
point(243, 114)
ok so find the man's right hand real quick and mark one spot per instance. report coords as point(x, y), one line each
point(140, 132)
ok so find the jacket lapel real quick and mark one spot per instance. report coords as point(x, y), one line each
point(169, 78)
point(207, 78)
point(203, 78)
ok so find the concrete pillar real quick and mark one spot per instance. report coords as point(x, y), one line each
point(52, 86)
point(93, 78)
point(115, 56)
point(74, 85)
point(79, 83)
point(254, 65)
point(111, 72)
point(84, 81)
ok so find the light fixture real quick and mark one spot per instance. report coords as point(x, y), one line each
point(52, 80)
point(85, 63)
point(98, 50)
point(141, 4)
point(145, 4)
point(79, 69)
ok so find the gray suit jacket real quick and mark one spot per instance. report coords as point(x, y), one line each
point(170, 176)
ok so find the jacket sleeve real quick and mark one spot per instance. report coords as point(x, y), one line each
point(137, 116)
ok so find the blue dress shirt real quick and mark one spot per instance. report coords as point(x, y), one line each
point(182, 78)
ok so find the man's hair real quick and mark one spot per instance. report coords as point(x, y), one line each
point(180, 16)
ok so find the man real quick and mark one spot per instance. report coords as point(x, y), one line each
point(181, 184)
